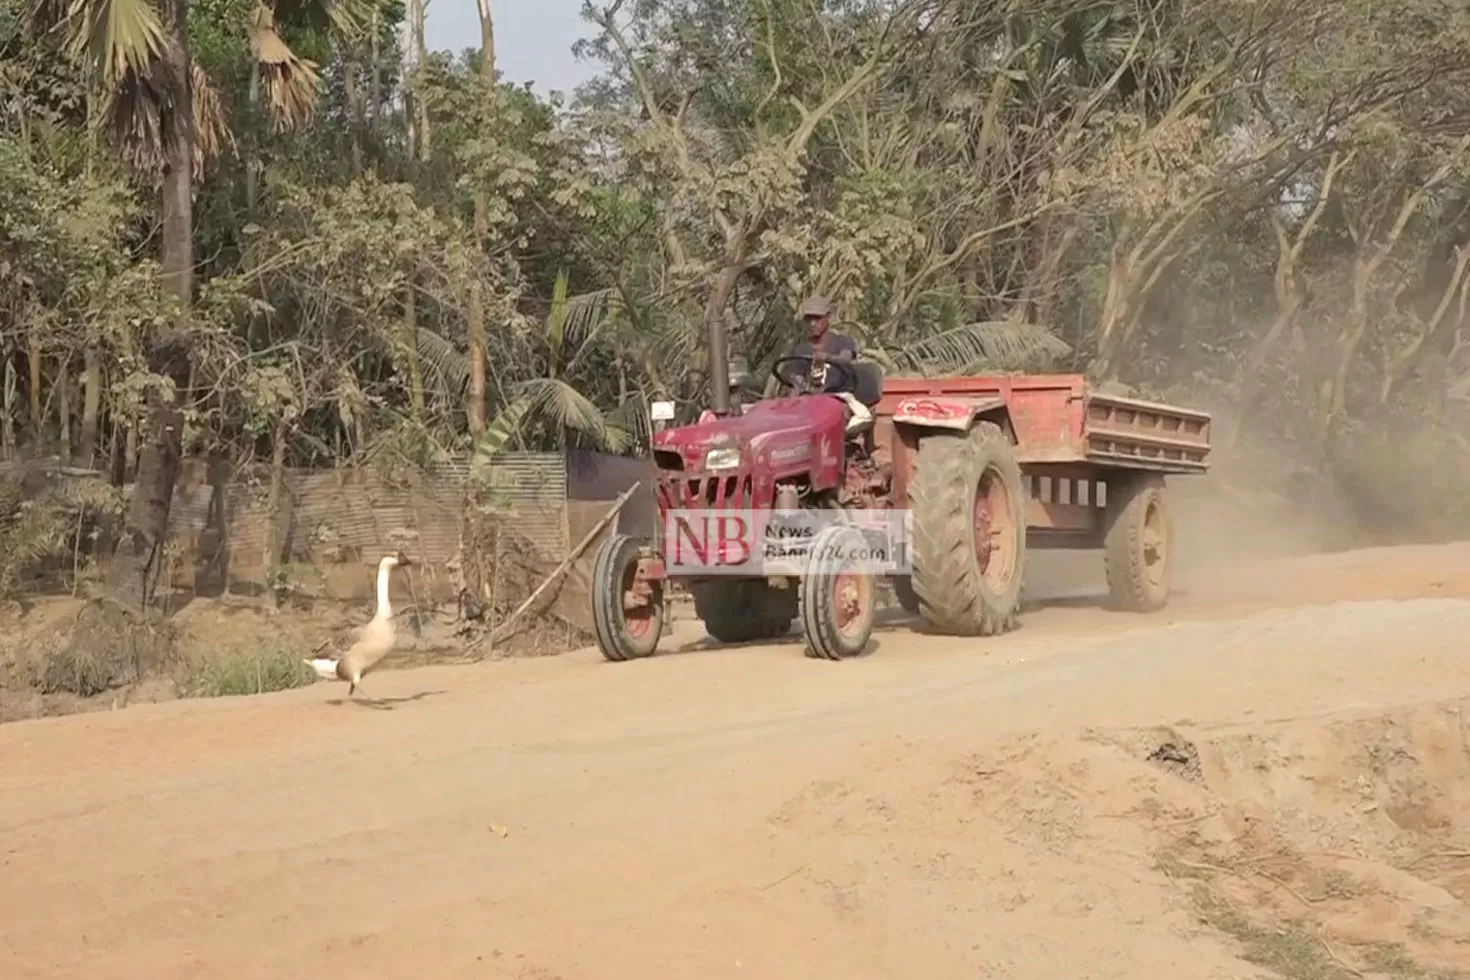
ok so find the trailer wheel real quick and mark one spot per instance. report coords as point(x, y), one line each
point(624, 633)
point(838, 599)
point(967, 504)
point(1137, 543)
point(739, 610)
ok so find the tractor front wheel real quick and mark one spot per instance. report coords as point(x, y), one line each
point(838, 598)
point(627, 608)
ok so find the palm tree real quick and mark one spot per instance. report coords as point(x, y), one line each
point(159, 106)
point(166, 119)
point(550, 404)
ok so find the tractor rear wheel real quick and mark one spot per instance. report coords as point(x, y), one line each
point(967, 504)
point(903, 591)
point(1137, 543)
point(739, 610)
point(627, 612)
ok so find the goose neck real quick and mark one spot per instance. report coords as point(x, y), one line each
point(384, 608)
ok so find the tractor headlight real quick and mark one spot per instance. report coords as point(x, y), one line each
point(722, 459)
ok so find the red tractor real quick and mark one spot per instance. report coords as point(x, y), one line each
point(985, 467)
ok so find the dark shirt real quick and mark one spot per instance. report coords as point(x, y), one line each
point(834, 345)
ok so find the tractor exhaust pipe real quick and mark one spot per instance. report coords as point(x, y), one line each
point(719, 366)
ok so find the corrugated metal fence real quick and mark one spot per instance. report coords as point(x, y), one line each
point(334, 525)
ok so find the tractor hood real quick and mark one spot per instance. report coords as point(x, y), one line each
point(780, 433)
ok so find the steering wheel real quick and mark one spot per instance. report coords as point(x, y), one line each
point(795, 372)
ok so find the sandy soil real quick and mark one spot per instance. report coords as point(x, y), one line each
point(1271, 776)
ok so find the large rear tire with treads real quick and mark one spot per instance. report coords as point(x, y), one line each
point(968, 545)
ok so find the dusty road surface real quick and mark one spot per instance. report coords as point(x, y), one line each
point(1272, 776)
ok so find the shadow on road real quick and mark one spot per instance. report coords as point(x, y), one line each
point(383, 704)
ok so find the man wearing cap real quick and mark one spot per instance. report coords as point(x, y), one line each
point(826, 345)
point(817, 311)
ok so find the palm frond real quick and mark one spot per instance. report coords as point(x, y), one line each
point(553, 400)
point(448, 367)
point(291, 83)
point(631, 417)
point(991, 346)
point(211, 124)
point(115, 38)
point(549, 403)
point(500, 431)
point(572, 318)
point(616, 437)
point(135, 114)
point(585, 313)
point(347, 17)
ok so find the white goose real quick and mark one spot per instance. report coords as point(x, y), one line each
point(374, 641)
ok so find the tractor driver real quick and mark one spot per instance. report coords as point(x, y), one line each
point(824, 343)
point(827, 345)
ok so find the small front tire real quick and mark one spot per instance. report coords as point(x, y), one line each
point(838, 600)
point(623, 633)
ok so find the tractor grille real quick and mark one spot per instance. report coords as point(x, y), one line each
point(682, 491)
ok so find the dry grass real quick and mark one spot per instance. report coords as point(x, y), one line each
point(1286, 950)
point(1300, 949)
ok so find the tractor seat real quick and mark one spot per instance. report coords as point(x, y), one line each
point(867, 382)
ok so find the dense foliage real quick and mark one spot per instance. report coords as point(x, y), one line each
point(286, 221)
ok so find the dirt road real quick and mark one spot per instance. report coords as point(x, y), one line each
point(1093, 796)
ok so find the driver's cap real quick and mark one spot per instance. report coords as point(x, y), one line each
point(814, 305)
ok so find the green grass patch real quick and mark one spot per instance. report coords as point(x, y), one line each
point(272, 668)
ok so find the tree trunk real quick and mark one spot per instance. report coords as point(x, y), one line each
point(425, 137)
point(178, 138)
point(487, 41)
point(63, 407)
point(1114, 311)
point(134, 571)
point(475, 346)
point(352, 83)
point(375, 76)
point(7, 409)
point(33, 361)
point(252, 141)
point(719, 298)
point(413, 112)
point(275, 532)
point(475, 316)
point(135, 567)
point(411, 354)
point(91, 405)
